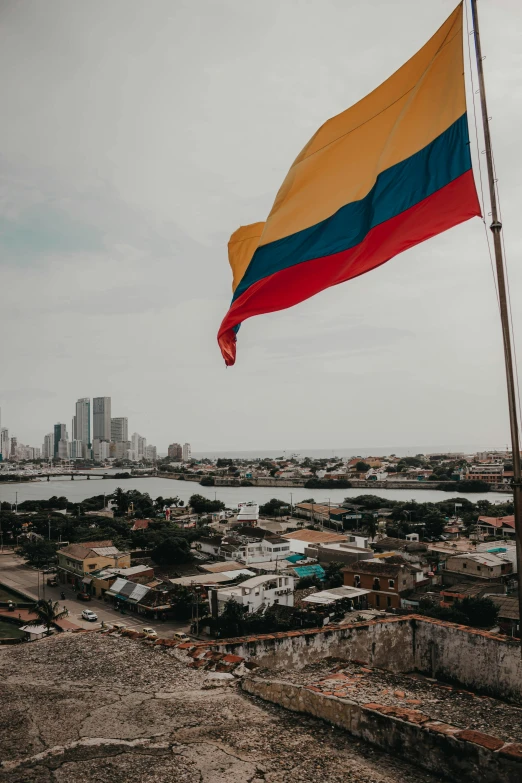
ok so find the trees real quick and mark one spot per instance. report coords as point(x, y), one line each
point(274, 508)
point(434, 525)
point(38, 551)
point(47, 613)
point(370, 525)
point(171, 549)
point(362, 467)
point(477, 612)
point(207, 481)
point(203, 505)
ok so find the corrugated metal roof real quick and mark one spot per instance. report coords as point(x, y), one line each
point(118, 584)
point(104, 551)
point(127, 589)
point(139, 592)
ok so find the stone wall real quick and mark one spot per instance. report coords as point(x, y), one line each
point(384, 643)
point(436, 746)
point(479, 660)
point(482, 661)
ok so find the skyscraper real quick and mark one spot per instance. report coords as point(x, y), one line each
point(5, 445)
point(119, 430)
point(81, 425)
point(48, 446)
point(101, 418)
point(187, 452)
point(138, 446)
point(60, 434)
point(175, 451)
point(101, 425)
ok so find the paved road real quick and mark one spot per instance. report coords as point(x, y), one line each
point(15, 574)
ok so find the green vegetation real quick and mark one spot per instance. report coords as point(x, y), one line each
point(274, 508)
point(46, 614)
point(38, 552)
point(477, 612)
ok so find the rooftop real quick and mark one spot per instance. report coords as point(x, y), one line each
point(313, 536)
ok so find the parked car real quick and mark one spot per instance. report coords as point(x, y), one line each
point(83, 596)
point(88, 615)
point(119, 626)
point(181, 637)
point(52, 581)
point(150, 632)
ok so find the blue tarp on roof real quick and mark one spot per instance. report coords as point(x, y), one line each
point(295, 558)
point(310, 570)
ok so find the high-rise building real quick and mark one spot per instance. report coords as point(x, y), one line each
point(187, 452)
point(48, 446)
point(175, 451)
point(119, 449)
point(76, 449)
point(81, 425)
point(138, 446)
point(151, 453)
point(119, 429)
point(5, 445)
point(101, 418)
point(60, 434)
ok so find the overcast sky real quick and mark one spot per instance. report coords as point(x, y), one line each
point(137, 136)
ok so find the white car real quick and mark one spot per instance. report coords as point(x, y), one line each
point(88, 615)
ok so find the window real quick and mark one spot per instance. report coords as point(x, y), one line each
point(92, 566)
point(377, 600)
point(391, 583)
point(479, 568)
point(464, 565)
point(376, 584)
point(357, 580)
point(388, 601)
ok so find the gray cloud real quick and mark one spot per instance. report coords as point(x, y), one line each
point(136, 137)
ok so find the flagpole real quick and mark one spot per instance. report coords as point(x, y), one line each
point(496, 228)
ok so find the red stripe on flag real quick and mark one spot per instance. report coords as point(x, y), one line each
point(446, 208)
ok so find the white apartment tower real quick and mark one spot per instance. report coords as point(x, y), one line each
point(48, 446)
point(186, 453)
point(138, 446)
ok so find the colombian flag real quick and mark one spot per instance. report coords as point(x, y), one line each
point(382, 176)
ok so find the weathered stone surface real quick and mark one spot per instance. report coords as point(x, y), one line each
point(95, 708)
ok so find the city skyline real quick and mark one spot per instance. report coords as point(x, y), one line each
point(112, 442)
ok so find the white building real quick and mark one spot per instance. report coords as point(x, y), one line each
point(186, 452)
point(48, 446)
point(248, 513)
point(255, 551)
point(254, 593)
point(151, 453)
point(60, 434)
point(138, 446)
point(103, 450)
point(62, 451)
point(76, 450)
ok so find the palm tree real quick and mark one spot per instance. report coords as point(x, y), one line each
point(370, 525)
point(47, 613)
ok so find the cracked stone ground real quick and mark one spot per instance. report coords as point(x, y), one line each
point(88, 708)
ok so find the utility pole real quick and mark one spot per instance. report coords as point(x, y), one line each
point(496, 228)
